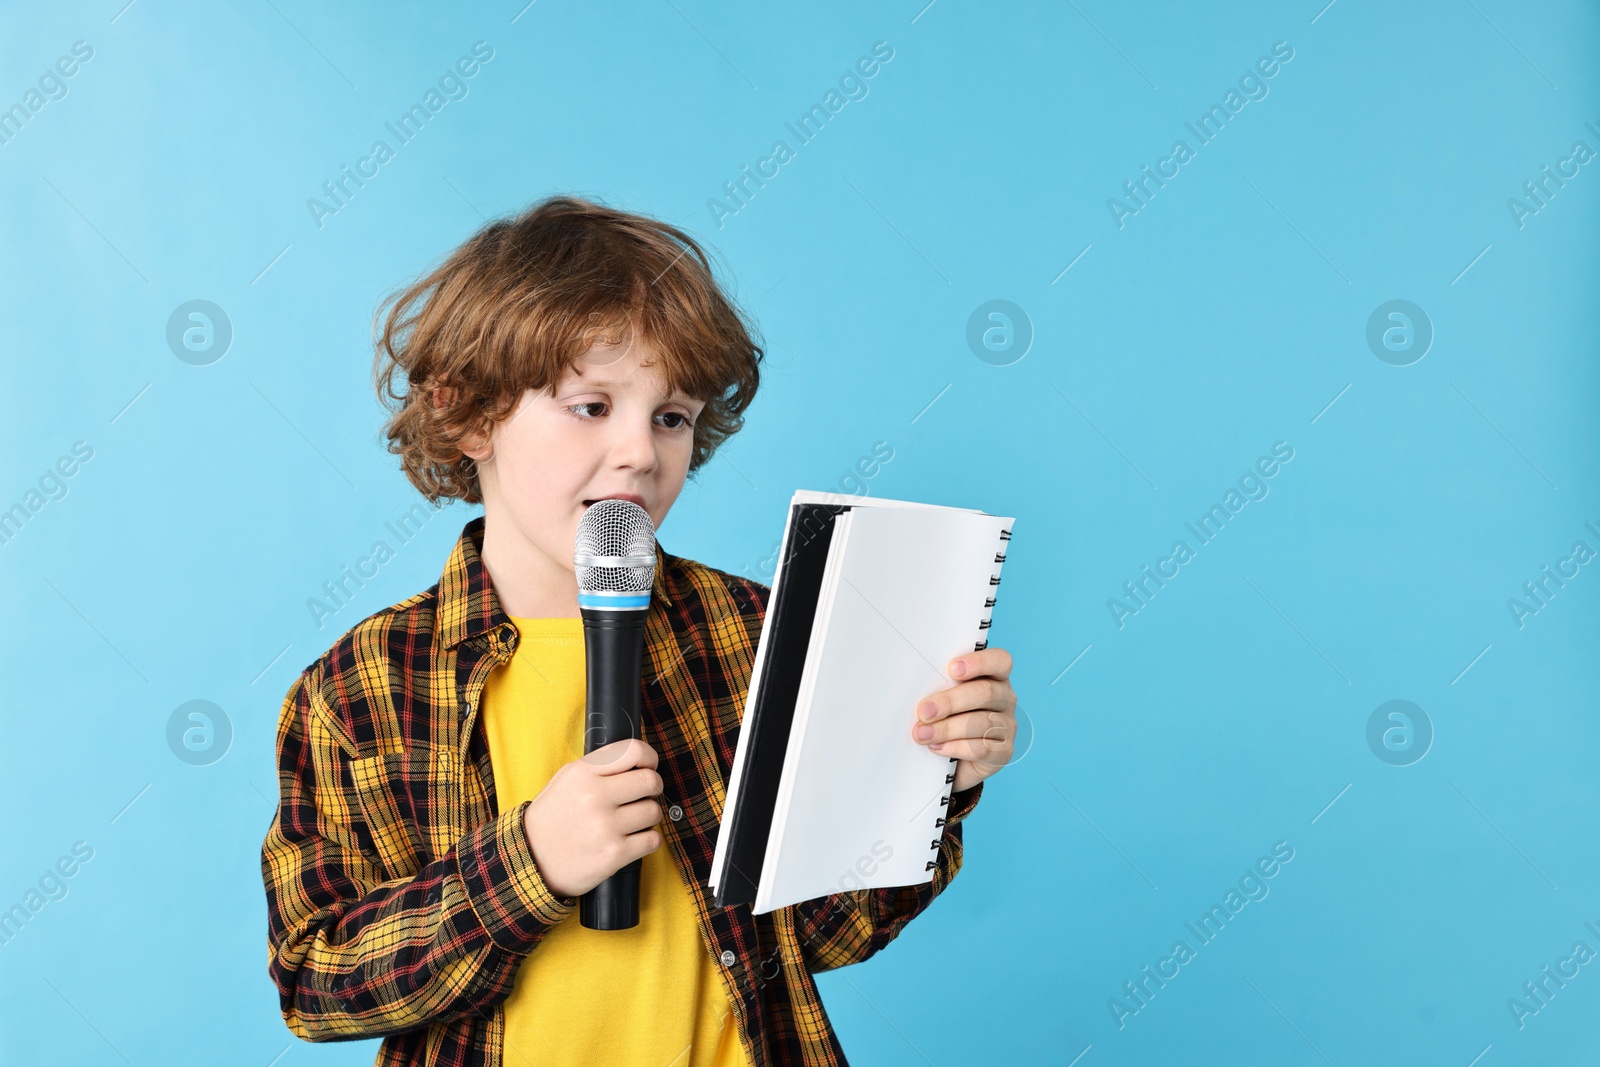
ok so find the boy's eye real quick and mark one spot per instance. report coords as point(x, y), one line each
point(578, 413)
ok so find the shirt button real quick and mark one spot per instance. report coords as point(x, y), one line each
point(727, 957)
point(674, 813)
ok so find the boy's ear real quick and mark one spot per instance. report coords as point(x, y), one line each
point(474, 445)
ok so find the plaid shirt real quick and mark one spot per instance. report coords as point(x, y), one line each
point(400, 899)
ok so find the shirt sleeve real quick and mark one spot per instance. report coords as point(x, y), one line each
point(356, 955)
point(845, 928)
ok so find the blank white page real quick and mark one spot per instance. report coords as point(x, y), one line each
point(859, 796)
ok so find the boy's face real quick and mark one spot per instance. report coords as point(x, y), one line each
point(607, 429)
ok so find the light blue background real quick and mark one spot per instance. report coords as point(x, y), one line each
point(1223, 317)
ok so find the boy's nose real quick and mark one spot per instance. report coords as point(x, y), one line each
point(634, 445)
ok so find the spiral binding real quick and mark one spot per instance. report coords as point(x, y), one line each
point(988, 602)
point(983, 625)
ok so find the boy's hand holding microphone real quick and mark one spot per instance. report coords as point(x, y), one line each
point(596, 816)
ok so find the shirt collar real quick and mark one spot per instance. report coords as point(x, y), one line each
point(467, 604)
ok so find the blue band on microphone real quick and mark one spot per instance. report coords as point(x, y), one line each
point(614, 601)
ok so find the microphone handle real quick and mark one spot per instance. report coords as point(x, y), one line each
point(614, 653)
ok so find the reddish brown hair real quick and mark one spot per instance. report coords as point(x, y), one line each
point(521, 300)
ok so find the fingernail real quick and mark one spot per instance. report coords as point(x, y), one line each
point(924, 732)
point(926, 709)
point(936, 748)
point(959, 669)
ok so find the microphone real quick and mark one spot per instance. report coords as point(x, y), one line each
point(615, 557)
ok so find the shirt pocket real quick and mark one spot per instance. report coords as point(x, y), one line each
point(409, 799)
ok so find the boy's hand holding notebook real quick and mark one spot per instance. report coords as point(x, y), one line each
point(973, 722)
point(874, 607)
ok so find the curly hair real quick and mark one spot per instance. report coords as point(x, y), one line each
point(520, 301)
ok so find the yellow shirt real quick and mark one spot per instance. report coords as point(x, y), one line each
point(651, 996)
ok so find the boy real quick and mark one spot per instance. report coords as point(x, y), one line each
point(438, 817)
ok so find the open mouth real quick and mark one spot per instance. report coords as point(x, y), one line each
point(632, 498)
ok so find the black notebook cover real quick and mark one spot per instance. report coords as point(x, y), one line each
point(789, 620)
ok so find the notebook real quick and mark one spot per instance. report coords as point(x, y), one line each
point(829, 792)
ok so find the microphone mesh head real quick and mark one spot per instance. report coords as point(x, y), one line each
point(615, 550)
